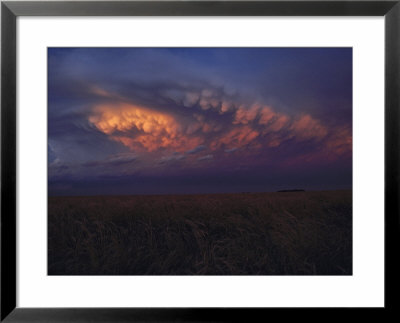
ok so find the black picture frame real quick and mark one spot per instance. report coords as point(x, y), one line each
point(10, 10)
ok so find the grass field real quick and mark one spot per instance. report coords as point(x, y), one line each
point(292, 233)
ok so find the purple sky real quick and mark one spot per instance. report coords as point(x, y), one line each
point(198, 120)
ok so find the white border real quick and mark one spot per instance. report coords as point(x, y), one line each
point(364, 288)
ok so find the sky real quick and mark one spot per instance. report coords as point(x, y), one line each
point(198, 120)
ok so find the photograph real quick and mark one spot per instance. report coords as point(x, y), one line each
point(200, 161)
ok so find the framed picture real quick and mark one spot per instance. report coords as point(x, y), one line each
point(195, 160)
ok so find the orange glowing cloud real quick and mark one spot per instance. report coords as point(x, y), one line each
point(254, 126)
point(140, 127)
point(236, 137)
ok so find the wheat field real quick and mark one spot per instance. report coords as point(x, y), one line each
point(292, 233)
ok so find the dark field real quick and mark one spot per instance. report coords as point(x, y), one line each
point(291, 233)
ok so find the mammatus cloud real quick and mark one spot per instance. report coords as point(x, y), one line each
point(191, 128)
point(141, 128)
point(144, 115)
point(236, 137)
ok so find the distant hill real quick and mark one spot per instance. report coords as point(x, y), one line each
point(285, 191)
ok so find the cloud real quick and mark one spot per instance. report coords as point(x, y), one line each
point(244, 114)
point(196, 150)
point(339, 142)
point(307, 127)
point(238, 136)
point(124, 117)
point(184, 130)
point(51, 154)
point(173, 157)
point(122, 159)
point(160, 111)
point(231, 150)
point(115, 160)
point(112, 165)
point(278, 123)
point(266, 115)
point(206, 157)
point(141, 128)
point(191, 98)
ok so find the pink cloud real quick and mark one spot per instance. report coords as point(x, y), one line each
point(253, 127)
point(307, 127)
point(236, 137)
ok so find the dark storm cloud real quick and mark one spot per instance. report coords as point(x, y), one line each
point(112, 161)
point(163, 112)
